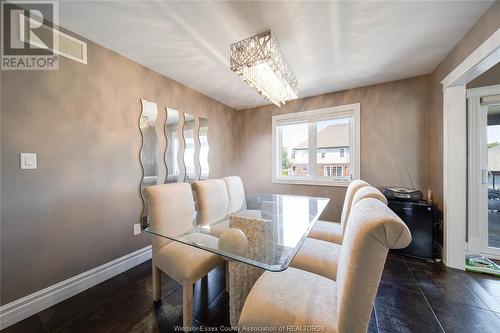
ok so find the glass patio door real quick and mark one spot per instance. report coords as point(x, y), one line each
point(484, 176)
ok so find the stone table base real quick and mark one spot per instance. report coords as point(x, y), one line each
point(242, 277)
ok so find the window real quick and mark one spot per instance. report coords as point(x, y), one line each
point(333, 171)
point(327, 171)
point(337, 171)
point(318, 147)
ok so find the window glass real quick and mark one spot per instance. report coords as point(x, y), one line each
point(332, 143)
point(294, 153)
point(317, 147)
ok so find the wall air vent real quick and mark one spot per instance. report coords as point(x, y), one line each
point(47, 37)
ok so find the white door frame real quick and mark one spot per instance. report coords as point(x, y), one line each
point(477, 228)
point(455, 147)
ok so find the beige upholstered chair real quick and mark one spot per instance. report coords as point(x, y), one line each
point(217, 198)
point(171, 206)
point(296, 297)
point(212, 199)
point(332, 231)
point(321, 257)
point(236, 193)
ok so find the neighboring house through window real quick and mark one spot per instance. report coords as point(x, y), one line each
point(323, 146)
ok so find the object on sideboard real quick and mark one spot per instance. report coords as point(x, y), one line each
point(149, 147)
point(402, 193)
point(418, 216)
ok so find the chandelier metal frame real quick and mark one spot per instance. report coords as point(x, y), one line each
point(259, 49)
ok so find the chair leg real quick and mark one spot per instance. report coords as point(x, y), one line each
point(187, 305)
point(156, 283)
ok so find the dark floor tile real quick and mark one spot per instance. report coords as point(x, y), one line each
point(373, 317)
point(383, 330)
point(400, 310)
point(140, 272)
point(397, 275)
point(486, 289)
point(423, 261)
point(163, 317)
point(174, 299)
point(217, 314)
point(207, 289)
point(489, 283)
point(456, 317)
point(444, 284)
point(168, 285)
point(116, 315)
point(372, 329)
point(30, 324)
point(66, 312)
point(395, 256)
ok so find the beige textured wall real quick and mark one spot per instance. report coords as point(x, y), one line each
point(76, 211)
point(394, 135)
point(484, 28)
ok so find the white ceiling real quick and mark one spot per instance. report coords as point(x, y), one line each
point(331, 46)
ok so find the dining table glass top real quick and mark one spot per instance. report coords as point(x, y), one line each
point(263, 229)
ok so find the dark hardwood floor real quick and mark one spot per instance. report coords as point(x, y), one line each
point(414, 296)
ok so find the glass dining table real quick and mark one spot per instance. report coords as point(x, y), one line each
point(261, 231)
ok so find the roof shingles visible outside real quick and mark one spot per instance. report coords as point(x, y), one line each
point(330, 137)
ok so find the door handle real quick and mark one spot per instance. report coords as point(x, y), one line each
point(484, 176)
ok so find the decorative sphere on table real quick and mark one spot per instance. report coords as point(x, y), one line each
point(233, 240)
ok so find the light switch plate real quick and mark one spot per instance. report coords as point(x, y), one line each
point(28, 160)
point(137, 228)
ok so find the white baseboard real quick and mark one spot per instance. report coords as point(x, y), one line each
point(22, 308)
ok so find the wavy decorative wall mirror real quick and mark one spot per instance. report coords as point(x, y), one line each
point(189, 147)
point(172, 129)
point(149, 147)
point(186, 149)
point(203, 138)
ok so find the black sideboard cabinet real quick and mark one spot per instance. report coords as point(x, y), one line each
point(419, 218)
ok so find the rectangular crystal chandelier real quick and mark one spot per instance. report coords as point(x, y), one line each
point(259, 62)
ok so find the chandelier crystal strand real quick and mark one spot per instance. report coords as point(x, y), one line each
point(259, 62)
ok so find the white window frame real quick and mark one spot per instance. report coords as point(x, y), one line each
point(312, 116)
